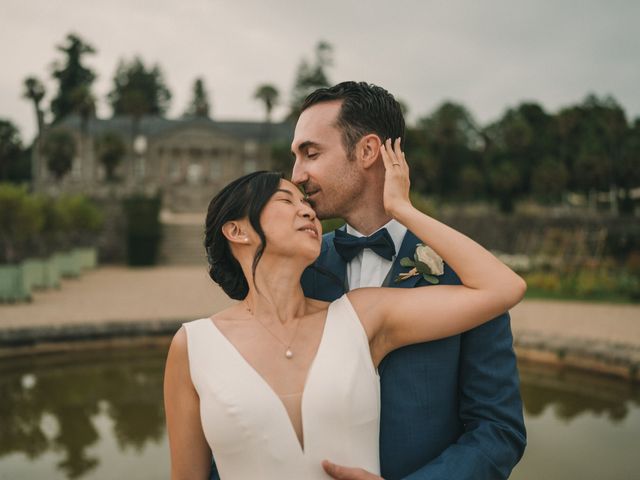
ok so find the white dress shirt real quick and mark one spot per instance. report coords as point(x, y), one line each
point(368, 269)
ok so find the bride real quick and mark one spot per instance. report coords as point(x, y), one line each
point(278, 383)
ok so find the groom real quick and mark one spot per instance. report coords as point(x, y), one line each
point(451, 409)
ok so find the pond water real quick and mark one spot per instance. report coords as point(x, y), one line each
point(99, 416)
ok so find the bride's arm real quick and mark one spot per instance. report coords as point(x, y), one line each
point(394, 317)
point(190, 454)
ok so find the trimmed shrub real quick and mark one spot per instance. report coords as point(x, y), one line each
point(84, 219)
point(144, 230)
point(21, 220)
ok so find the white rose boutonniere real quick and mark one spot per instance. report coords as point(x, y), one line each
point(425, 262)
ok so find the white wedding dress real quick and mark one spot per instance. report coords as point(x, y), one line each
point(247, 426)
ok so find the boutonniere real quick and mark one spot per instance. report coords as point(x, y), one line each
point(425, 262)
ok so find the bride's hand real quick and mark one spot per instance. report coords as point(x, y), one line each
point(396, 180)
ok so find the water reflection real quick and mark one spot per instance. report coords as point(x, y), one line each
point(571, 393)
point(579, 426)
point(99, 415)
point(50, 404)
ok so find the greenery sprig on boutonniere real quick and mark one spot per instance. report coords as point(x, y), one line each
point(425, 262)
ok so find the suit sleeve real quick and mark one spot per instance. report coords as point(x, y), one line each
point(214, 475)
point(490, 408)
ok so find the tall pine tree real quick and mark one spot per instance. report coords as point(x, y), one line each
point(311, 76)
point(74, 79)
point(138, 90)
point(199, 105)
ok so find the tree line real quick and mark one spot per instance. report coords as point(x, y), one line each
point(139, 89)
point(588, 148)
point(585, 148)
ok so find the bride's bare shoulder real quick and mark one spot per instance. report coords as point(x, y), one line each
point(234, 312)
point(179, 341)
point(366, 297)
point(177, 354)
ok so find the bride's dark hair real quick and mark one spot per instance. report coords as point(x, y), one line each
point(244, 197)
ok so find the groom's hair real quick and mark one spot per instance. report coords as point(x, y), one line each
point(366, 108)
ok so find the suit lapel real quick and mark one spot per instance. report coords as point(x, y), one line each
point(330, 260)
point(336, 264)
point(407, 249)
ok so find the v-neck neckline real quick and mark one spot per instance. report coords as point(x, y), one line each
point(301, 446)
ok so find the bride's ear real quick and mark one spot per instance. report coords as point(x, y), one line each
point(369, 150)
point(235, 232)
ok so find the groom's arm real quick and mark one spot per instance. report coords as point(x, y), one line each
point(494, 435)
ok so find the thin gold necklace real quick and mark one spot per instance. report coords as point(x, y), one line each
point(288, 353)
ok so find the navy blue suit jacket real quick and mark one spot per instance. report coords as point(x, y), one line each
point(451, 409)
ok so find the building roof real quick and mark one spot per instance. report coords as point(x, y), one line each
point(152, 126)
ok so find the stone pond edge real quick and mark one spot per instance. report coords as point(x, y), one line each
point(608, 358)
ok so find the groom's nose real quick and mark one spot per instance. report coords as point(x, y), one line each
point(299, 175)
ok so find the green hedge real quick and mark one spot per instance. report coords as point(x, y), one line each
point(21, 219)
point(619, 285)
point(36, 226)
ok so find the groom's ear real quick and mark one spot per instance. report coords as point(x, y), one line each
point(235, 232)
point(368, 150)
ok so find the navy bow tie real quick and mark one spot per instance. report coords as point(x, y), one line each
point(348, 246)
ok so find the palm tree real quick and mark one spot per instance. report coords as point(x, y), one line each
point(59, 148)
point(111, 149)
point(34, 91)
point(267, 94)
point(85, 106)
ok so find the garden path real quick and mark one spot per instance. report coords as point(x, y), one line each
point(113, 294)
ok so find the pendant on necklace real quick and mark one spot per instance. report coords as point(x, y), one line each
point(288, 353)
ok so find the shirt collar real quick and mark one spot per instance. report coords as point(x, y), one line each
point(394, 227)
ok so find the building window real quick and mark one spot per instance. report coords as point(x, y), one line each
point(76, 168)
point(139, 168)
point(195, 152)
point(174, 169)
point(250, 166)
point(250, 148)
point(194, 173)
point(216, 170)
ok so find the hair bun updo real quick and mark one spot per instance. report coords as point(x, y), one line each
point(244, 197)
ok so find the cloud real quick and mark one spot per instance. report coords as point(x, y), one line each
point(487, 55)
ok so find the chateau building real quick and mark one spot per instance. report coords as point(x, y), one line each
point(187, 160)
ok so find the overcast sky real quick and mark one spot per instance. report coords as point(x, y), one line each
point(486, 54)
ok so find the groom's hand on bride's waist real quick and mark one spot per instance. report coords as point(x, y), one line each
point(347, 473)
